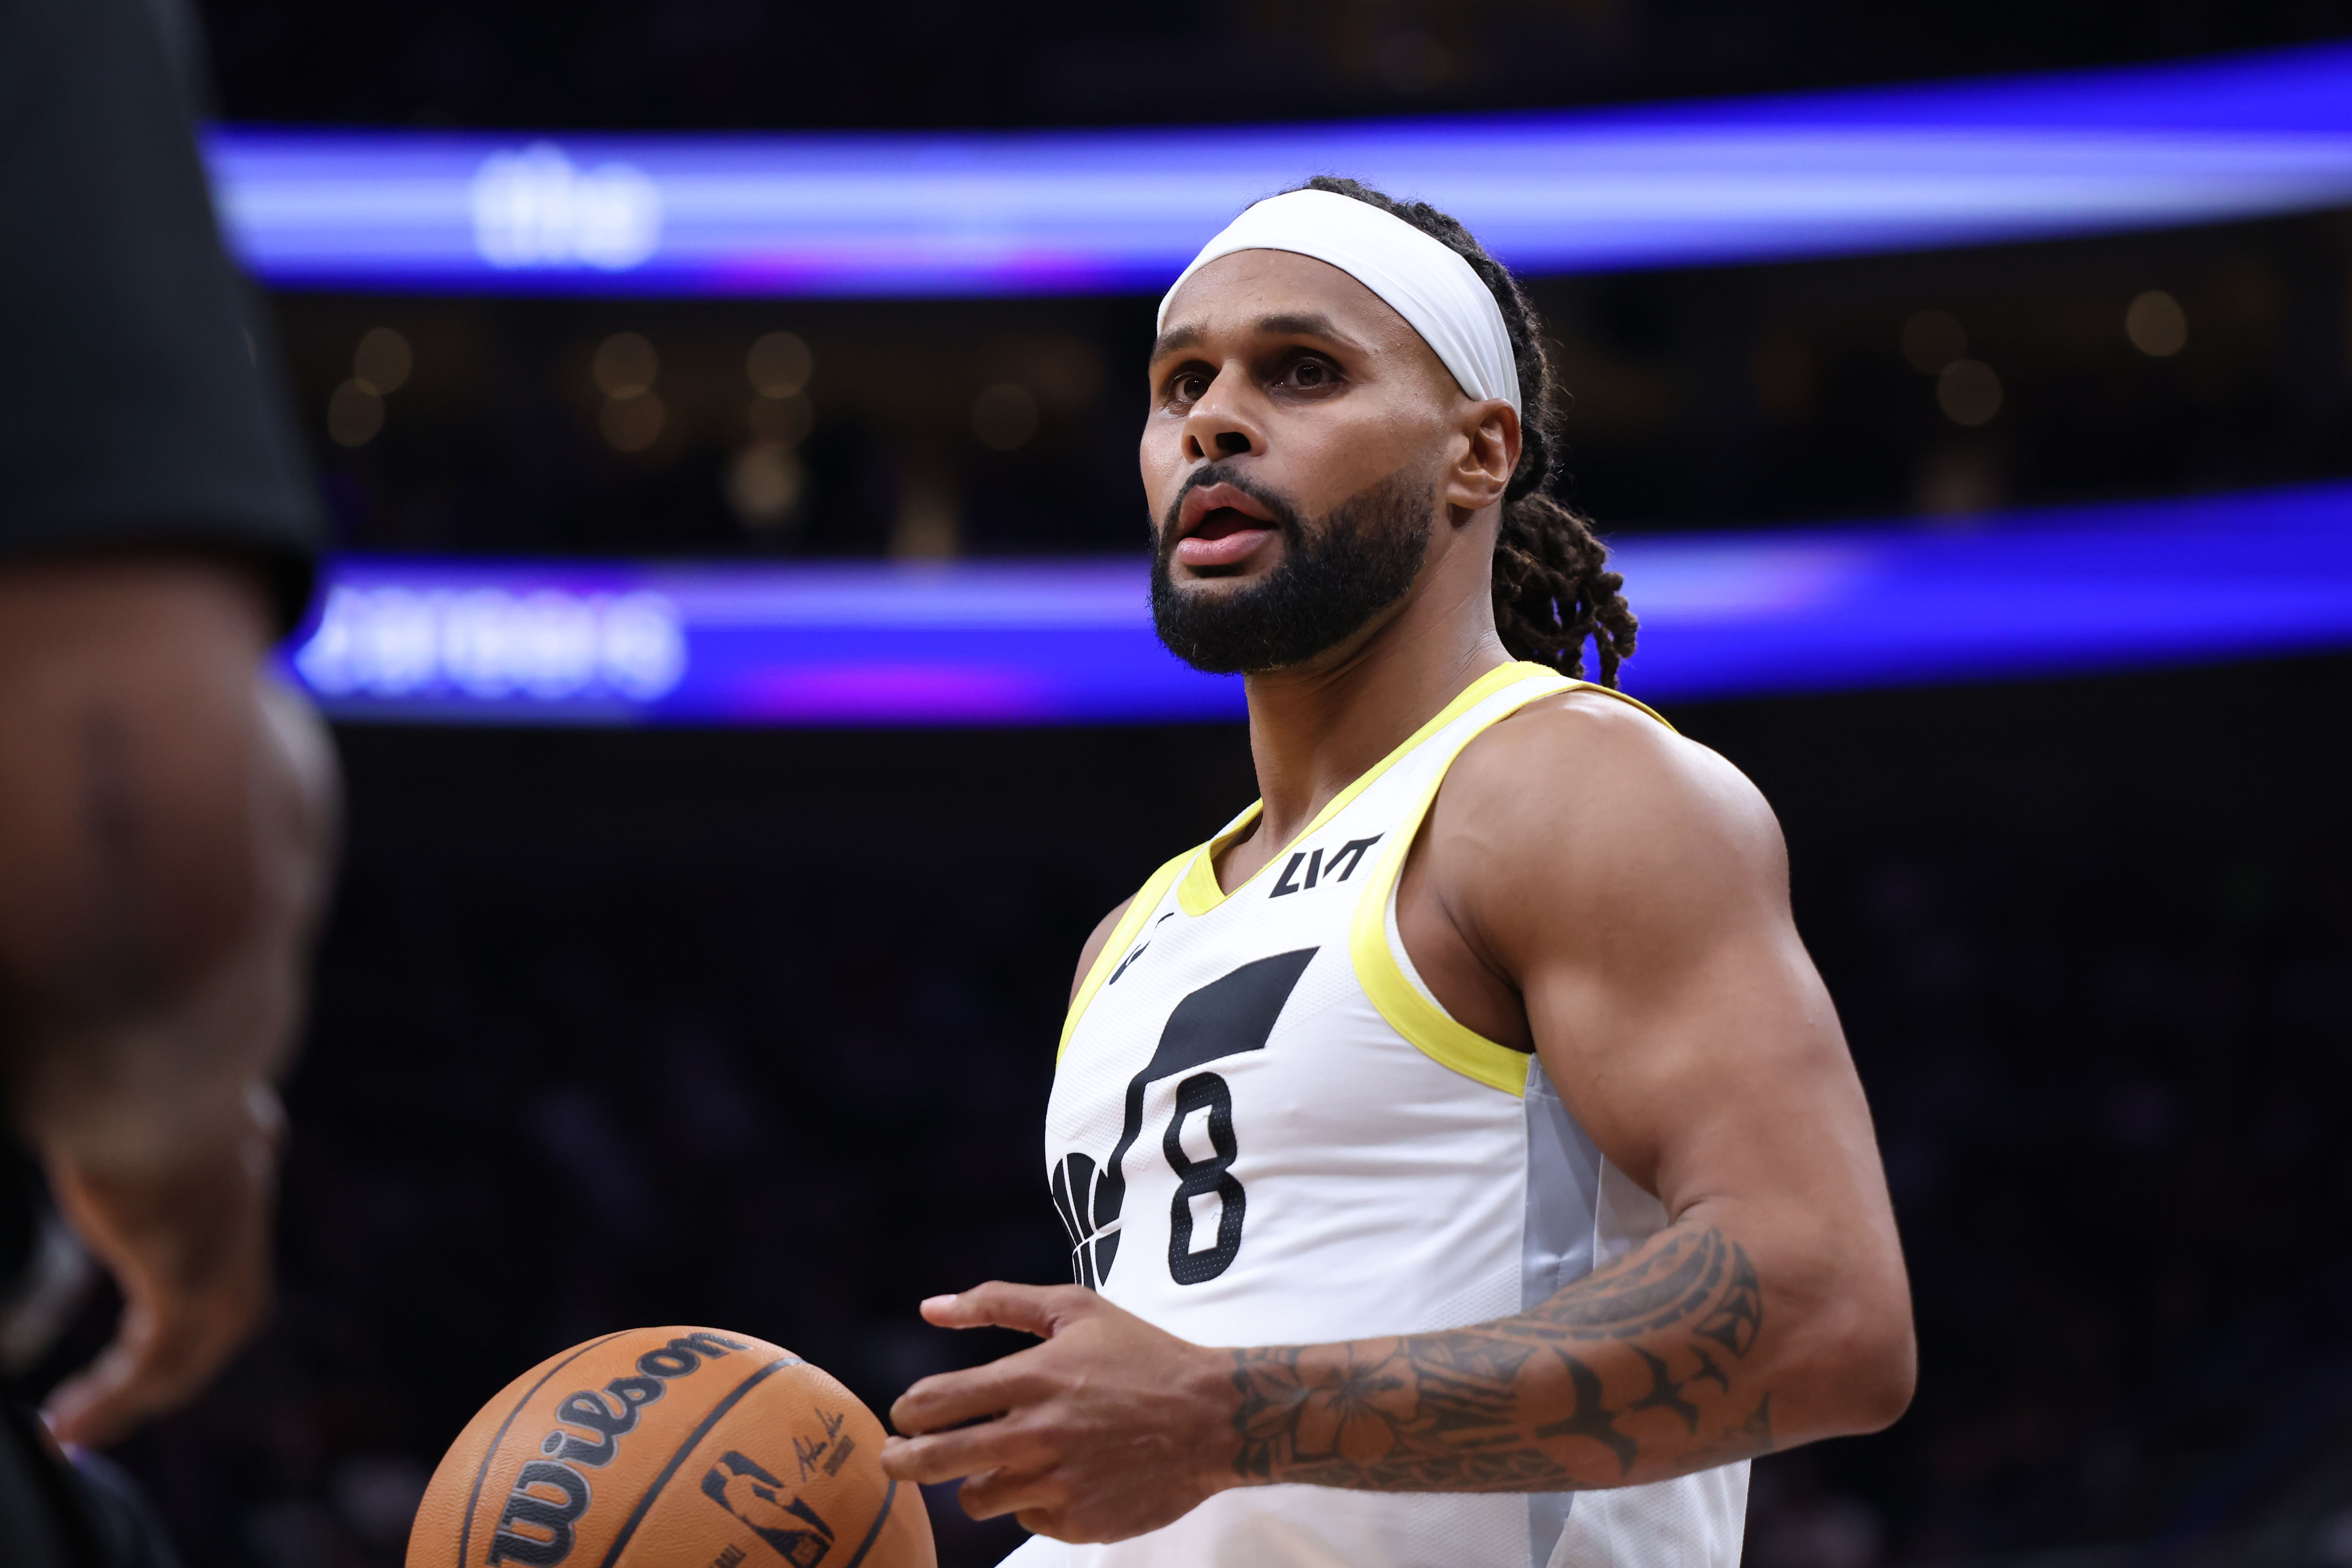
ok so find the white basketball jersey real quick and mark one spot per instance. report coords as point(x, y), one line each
point(1264, 1130)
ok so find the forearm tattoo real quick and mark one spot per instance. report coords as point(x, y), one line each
point(1642, 1364)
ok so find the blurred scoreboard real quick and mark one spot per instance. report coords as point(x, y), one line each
point(1089, 212)
point(2061, 592)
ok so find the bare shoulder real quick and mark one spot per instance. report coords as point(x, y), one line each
point(1579, 794)
point(1586, 749)
point(1093, 943)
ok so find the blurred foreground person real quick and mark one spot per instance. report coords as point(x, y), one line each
point(164, 807)
point(1462, 1162)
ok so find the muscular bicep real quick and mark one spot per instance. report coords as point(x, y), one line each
point(1093, 945)
point(1633, 887)
point(1715, 1071)
point(1676, 1002)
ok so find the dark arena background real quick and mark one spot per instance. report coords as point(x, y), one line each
point(735, 1003)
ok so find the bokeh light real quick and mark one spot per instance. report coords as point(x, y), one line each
point(1969, 393)
point(633, 423)
point(383, 360)
point(1932, 340)
point(625, 365)
point(779, 364)
point(764, 485)
point(2157, 325)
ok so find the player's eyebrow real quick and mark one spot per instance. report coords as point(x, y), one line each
point(1302, 324)
point(1283, 324)
point(1175, 338)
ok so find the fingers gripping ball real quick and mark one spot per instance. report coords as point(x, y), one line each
point(670, 1447)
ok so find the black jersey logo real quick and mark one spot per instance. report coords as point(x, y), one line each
point(1341, 866)
point(1223, 1018)
point(1128, 962)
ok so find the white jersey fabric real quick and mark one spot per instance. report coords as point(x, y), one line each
point(1264, 1130)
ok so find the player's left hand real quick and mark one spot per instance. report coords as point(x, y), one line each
point(1109, 1428)
point(188, 1242)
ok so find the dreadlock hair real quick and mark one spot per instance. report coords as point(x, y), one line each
point(1552, 589)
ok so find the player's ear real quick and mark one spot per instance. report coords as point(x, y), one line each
point(1482, 468)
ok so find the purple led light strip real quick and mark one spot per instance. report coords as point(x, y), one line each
point(2053, 592)
point(1062, 212)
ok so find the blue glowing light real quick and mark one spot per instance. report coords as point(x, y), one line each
point(1080, 212)
point(2055, 592)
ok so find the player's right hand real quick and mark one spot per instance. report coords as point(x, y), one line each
point(188, 1243)
point(1109, 1428)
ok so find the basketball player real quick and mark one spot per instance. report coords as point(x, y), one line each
point(163, 806)
point(1462, 1164)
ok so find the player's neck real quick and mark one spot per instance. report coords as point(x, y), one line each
point(1316, 729)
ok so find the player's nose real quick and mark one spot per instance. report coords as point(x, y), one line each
point(1220, 426)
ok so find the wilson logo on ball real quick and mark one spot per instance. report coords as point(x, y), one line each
point(548, 1494)
point(677, 1447)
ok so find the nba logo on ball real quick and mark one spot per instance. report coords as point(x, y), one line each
point(665, 1448)
point(759, 1500)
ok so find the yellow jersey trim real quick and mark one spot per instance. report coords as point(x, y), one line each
point(1431, 1030)
point(1138, 910)
point(1197, 894)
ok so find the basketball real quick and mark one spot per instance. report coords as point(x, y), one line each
point(670, 1447)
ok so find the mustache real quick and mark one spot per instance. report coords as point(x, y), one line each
point(1285, 514)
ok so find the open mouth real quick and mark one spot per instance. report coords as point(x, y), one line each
point(1219, 526)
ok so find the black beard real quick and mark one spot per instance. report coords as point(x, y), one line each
point(1332, 581)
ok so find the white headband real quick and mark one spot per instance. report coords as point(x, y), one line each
point(1421, 279)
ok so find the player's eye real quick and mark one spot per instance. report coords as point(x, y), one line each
point(1309, 373)
point(1188, 386)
